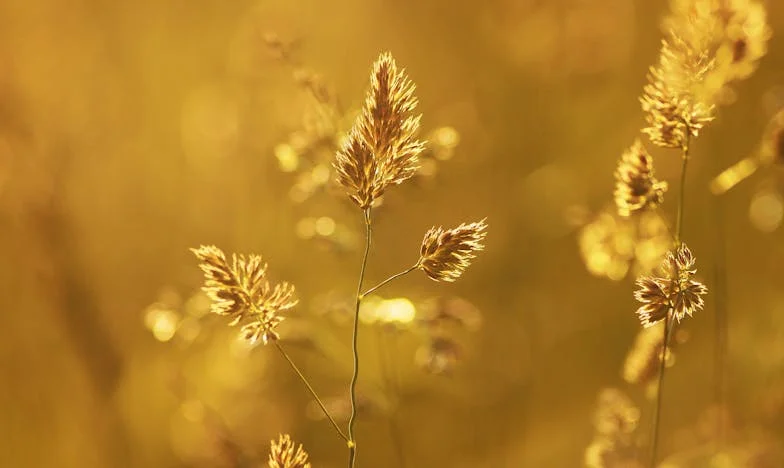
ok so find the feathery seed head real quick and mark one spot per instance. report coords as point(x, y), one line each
point(357, 170)
point(239, 289)
point(674, 290)
point(446, 253)
point(382, 148)
point(670, 100)
point(285, 454)
point(728, 35)
point(685, 293)
point(229, 284)
point(636, 188)
point(653, 293)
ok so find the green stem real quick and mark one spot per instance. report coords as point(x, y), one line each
point(310, 388)
point(390, 279)
point(352, 445)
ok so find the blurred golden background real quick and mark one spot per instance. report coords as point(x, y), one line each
point(132, 131)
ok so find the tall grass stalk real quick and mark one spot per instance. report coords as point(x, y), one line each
point(352, 445)
point(669, 325)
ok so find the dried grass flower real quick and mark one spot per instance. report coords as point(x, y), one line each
point(685, 293)
point(446, 253)
point(673, 291)
point(357, 170)
point(654, 294)
point(285, 454)
point(382, 148)
point(673, 110)
point(729, 35)
point(240, 290)
point(636, 187)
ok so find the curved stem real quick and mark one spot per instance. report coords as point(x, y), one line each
point(352, 445)
point(310, 388)
point(390, 279)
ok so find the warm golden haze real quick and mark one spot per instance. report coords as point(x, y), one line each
point(419, 234)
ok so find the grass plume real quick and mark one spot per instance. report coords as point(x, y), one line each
point(240, 290)
point(382, 148)
point(636, 187)
point(446, 253)
point(285, 454)
point(674, 290)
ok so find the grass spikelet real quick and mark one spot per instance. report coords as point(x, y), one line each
point(387, 124)
point(674, 290)
point(357, 171)
point(636, 188)
point(382, 148)
point(446, 253)
point(670, 103)
point(734, 33)
point(240, 290)
point(285, 454)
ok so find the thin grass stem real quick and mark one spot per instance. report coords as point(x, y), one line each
point(310, 388)
point(668, 326)
point(352, 445)
point(682, 194)
point(390, 279)
point(667, 320)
